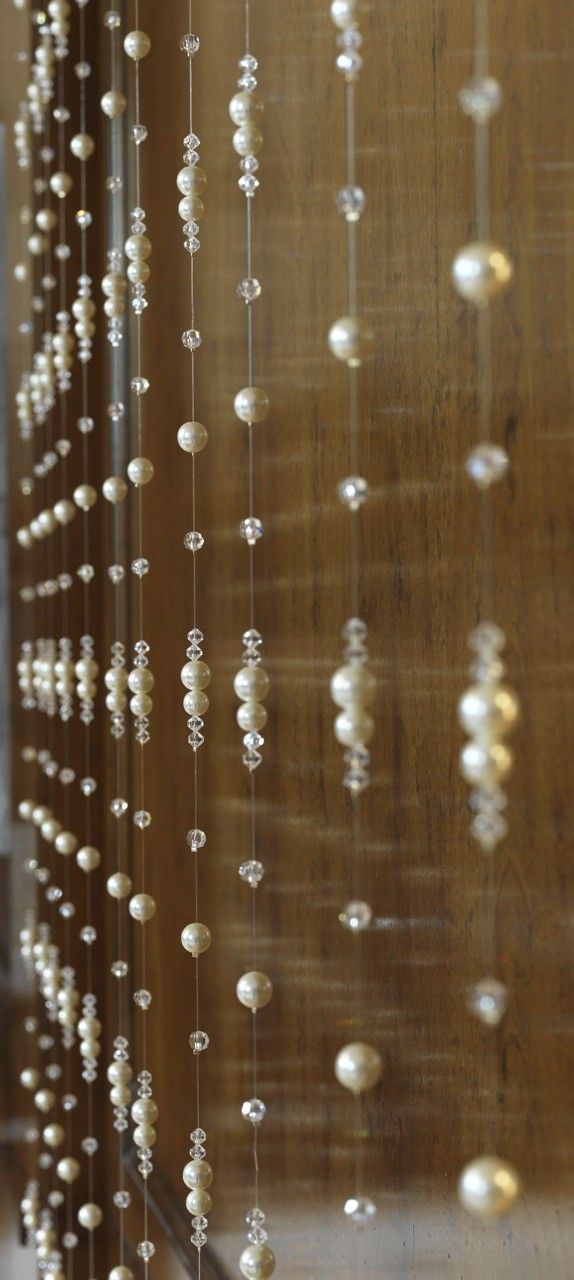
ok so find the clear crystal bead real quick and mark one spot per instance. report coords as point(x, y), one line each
point(191, 339)
point(122, 1199)
point(69, 1240)
point(199, 1041)
point(356, 916)
point(88, 786)
point(249, 164)
point(116, 411)
point(114, 183)
point(198, 1238)
point(85, 426)
point(67, 910)
point(82, 70)
point(350, 62)
point(118, 807)
point(139, 386)
point(254, 1110)
point(351, 202)
point(143, 999)
point(112, 20)
point(142, 818)
point(257, 1235)
point(90, 1146)
point(251, 529)
point(69, 1102)
point(88, 935)
point(255, 1217)
point(116, 573)
point(138, 134)
point(140, 567)
point(248, 184)
point(487, 464)
point(488, 1001)
point(196, 839)
point(249, 289)
point(193, 540)
point(119, 969)
point(481, 98)
point(145, 1250)
point(360, 1209)
point(189, 44)
point(252, 872)
point(353, 492)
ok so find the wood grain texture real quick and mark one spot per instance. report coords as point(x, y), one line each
point(450, 1090)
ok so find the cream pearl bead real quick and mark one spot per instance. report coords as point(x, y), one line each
point(116, 678)
point(54, 1135)
point(198, 1202)
point(347, 13)
point(191, 178)
point(354, 727)
point(254, 990)
point(113, 283)
point(85, 496)
point(24, 537)
point(64, 511)
point(120, 1273)
point(86, 690)
point(21, 272)
point(246, 107)
point(351, 339)
point(61, 184)
point(353, 683)
point(257, 1262)
point(37, 529)
point(114, 308)
point(89, 1028)
point(88, 858)
point(251, 404)
point(192, 437)
point(113, 103)
point(66, 843)
point(488, 711)
point(485, 763)
point(191, 208)
point(144, 1111)
point(44, 1099)
point(26, 809)
point(40, 813)
point(46, 219)
point(120, 1096)
point(119, 1072)
point(116, 701)
point(145, 1135)
point(137, 246)
point(48, 520)
point(30, 1078)
point(195, 938)
point(489, 1187)
point(37, 244)
point(480, 272)
point(50, 829)
point(358, 1067)
point(82, 146)
point(251, 684)
point(197, 1175)
point(142, 907)
point(140, 471)
point(119, 885)
point(90, 1216)
point(141, 680)
point(195, 703)
point(90, 1048)
point(137, 44)
point(114, 489)
point(141, 704)
point(138, 272)
point(86, 669)
point(195, 675)
point(247, 140)
point(251, 716)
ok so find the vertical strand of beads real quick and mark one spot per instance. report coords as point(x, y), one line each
point(119, 884)
point(488, 710)
point(192, 438)
point(142, 906)
point(351, 340)
point(254, 988)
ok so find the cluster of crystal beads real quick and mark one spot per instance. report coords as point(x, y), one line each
point(44, 667)
point(64, 671)
point(68, 1001)
point(25, 668)
point(114, 288)
point(252, 686)
point(63, 347)
point(245, 110)
point(144, 1114)
point(353, 689)
point(86, 673)
point(138, 250)
point(488, 712)
point(90, 1031)
point(195, 677)
point(23, 136)
point(141, 707)
point(198, 1176)
point(116, 680)
point(119, 1076)
point(30, 1210)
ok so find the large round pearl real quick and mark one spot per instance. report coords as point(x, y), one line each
point(251, 404)
point(137, 44)
point(489, 1187)
point(353, 683)
point(488, 711)
point(114, 489)
point(195, 675)
point(138, 246)
point(485, 763)
point(192, 437)
point(257, 1262)
point(82, 146)
point(145, 1135)
point(46, 219)
point(50, 829)
point(24, 537)
point(251, 684)
point(120, 1273)
point(48, 520)
point(144, 1111)
point(197, 1174)
point(119, 1072)
point(246, 106)
point(64, 511)
point(358, 1067)
point(352, 340)
point(251, 716)
point(88, 858)
point(191, 178)
point(140, 471)
point(68, 1169)
point(254, 990)
point(90, 1216)
point(347, 13)
point(195, 702)
point(191, 208)
point(141, 680)
point(354, 727)
point(198, 1202)
point(30, 1078)
point(113, 103)
point(195, 938)
point(247, 140)
point(66, 843)
point(26, 809)
point(61, 184)
point(44, 1100)
point(119, 885)
point(142, 907)
point(85, 496)
point(54, 1135)
point(480, 272)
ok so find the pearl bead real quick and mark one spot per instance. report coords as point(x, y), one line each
point(192, 437)
point(191, 178)
point(485, 763)
point(88, 858)
point(54, 1135)
point(140, 471)
point(354, 727)
point(138, 246)
point(116, 678)
point(195, 703)
point(198, 1202)
point(480, 272)
point(50, 829)
point(352, 340)
point(114, 489)
point(244, 107)
point(141, 704)
point(90, 1216)
point(141, 680)
point(489, 1187)
point(353, 683)
point(40, 813)
point(119, 885)
point(89, 1028)
point(251, 684)
point(145, 1135)
point(37, 244)
point(46, 219)
point(44, 1099)
point(120, 1096)
point(30, 1078)
point(119, 1072)
point(82, 146)
point(68, 1169)
point(113, 283)
point(257, 1262)
point(195, 675)
point(358, 1067)
point(142, 907)
point(120, 1273)
point(24, 537)
point(247, 140)
point(191, 208)
point(48, 521)
point(90, 1048)
point(254, 990)
point(198, 1175)
point(37, 529)
point(137, 44)
point(86, 669)
point(66, 843)
point(251, 404)
point(85, 496)
point(113, 103)
point(488, 711)
point(26, 809)
point(138, 272)
point(64, 511)
point(195, 938)
point(144, 1111)
point(251, 716)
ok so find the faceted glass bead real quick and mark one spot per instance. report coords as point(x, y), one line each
point(350, 63)
point(116, 573)
point(257, 1235)
point(249, 289)
point(251, 530)
point(481, 98)
point(90, 1146)
point(191, 141)
point(69, 1240)
point(252, 872)
point(145, 1250)
point(88, 786)
point(353, 492)
point(53, 894)
point(199, 1041)
point(88, 935)
point(112, 20)
point(351, 202)
point(191, 339)
point(86, 573)
point(140, 567)
point(487, 464)
point(118, 807)
point(138, 134)
point(196, 839)
point(254, 1110)
point(53, 1071)
point(45, 1043)
point(45, 1160)
point(488, 1001)
point(113, 183)
point(142, 819)
point(69, 1102)
point(249, 164)
point(143, 999)
point(67, 910)
point(85, 425)
point(198, 1238)
point(356, 916)
point(255, 1217)
point(83, 219)
point(119, 969)
point(139, 386)
point(116, 411)
point(194, 541)
point(122, 1199)
point(360, 1209)
point(189, 44)
point(82, 70)
point(248, 184)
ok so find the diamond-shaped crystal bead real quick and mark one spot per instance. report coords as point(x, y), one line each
point(356, 916)
point(481, 98)
point(191, 339)
point(143, 999)
point(360, 1209)
point(189, 44)
point(353, 492)
point(488, 1001)
point(251, 530)
point(138, 134)
point(140, 567)
point(254, 1110)
point(350, 202)
point(194, 540)
point(145, 1250)
point(118, 807)
point(199, 1041)
point(249, 289)
point(196, 839)
point(487, 464)
point(252, 872)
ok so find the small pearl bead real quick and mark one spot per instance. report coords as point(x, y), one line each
point(113, 103)
point(116, 702)
point(54, 1135)
point(138, 246)
point(144, 1111)
point(61, 184)
point(119, 885)
point(191, 208)
point(120, 1273)
point(24, 537)
point(68, 1169)
point(347, 13)
point(64, 511)
point(488, 711)
point(88, 858)
point(195, 702)
point(198, 1175)
point(246, 107)
point(254, 990)
point(46, 219)
point(120, 1096)
point(48, 521)
point(485, 763)
point(141, 704)
point(353, 683)
point(354, 727)
point(251, 404)
point(352, 340)
point(195, 675)
point(37, 245)
point(358, 1067)
point(82, 146)
point(137, 44)
point(90, 1216)
point(247, 140)
point(198, 1202)
point(116, 678)
point(141, 680)
point(142, 907)
point(195, 938)
point(251, 716)
point(113, 283)
point(489, 1187)
point(192, 437)
point(251, 684)
point(257, 1262)
point(114, 489)
point(140, 471)
point(85, 496)
point(192, 178)
point(138, 272)
point(480, 272)
point(89, 1028)
point(66, 843)
point(44, 1099)
point(90, 1048)
point(86, 668)
point(30, 1078)
point(50, 829)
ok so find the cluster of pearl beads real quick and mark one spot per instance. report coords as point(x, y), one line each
point(86, 674)
point(140, 683)
point(196, 678)
point(346, 15)
point(64, 672)
point(90, 1030)
point(44, 668)
point(84, 310)
point(358, 1067)
point(23, 136)
point(353, 688)
point(30, 1210)
point(246, 110)
point(25, 669)
point(114, 287)
point(198, 1176)
point(191, 181)
point(116, 682)
point(40, 89)
point(63, 348)
point(59, 12)
point(144, 1115)
point(24, 407)
point(119, 1076)
point(254, 991)
point(488, 712)
point(138, 250)
point(251, 686)
point(51, 518)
